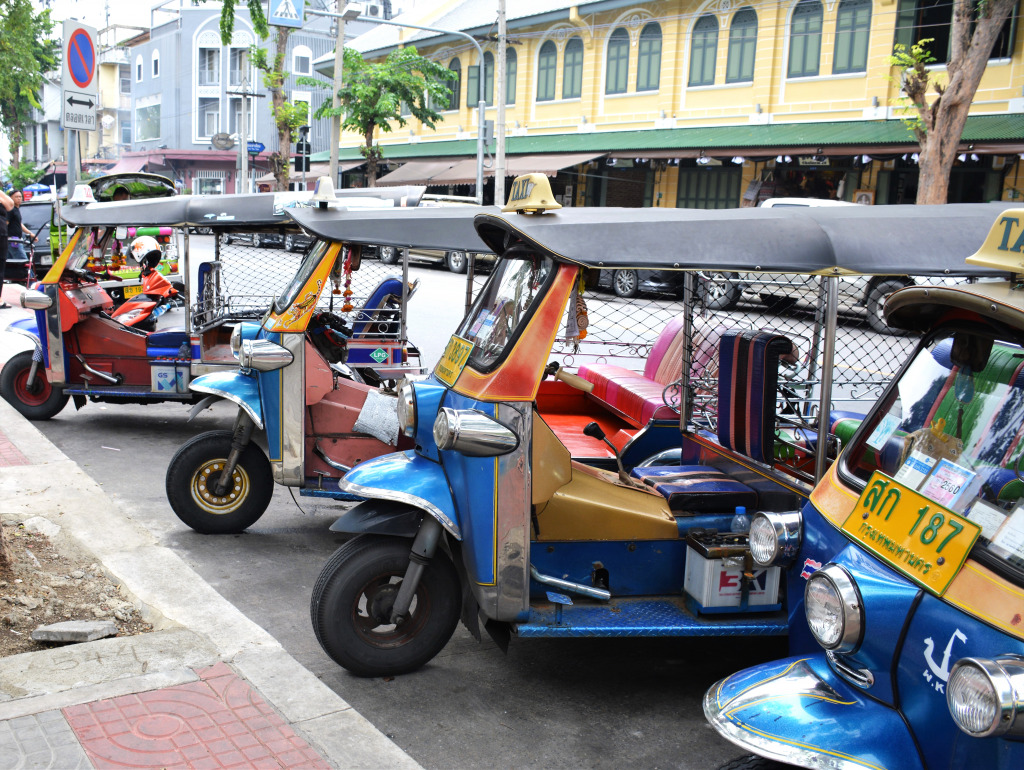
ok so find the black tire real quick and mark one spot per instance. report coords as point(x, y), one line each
point(876, 304)
point(195, 466)
point(457, 261)
point(227, 239)
point(388, 255)
point(40, 402)
point(753, 762)
point(625, 283)
point(289, 243)
point(719, 291)
point(778, 303)
point(257, 241)
point(363, 577)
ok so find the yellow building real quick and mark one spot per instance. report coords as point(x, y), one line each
point(704, 104)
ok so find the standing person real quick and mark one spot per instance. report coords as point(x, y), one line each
point(16, 230)
point(6, 204)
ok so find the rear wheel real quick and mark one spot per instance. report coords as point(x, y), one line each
point(193, 473)
point(289, 243)
point(876, 306)
point(257, 240)
point(457, 261)
point(388, 255)
point(40, 401)
point(719, 291)
point(352, 600)
point(625, 283)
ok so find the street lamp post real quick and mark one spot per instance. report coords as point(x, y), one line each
point(481, 103)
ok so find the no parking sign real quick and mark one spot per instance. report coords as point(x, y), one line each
point(79, 87)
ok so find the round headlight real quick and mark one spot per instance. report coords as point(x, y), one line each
point(833, 608)
point(775, 537)
point(985, 696)
point(407, 408)
point(444, 430)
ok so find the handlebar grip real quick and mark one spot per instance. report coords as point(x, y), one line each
point(574, 380)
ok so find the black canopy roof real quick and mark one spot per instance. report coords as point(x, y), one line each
point(228, 212)
point(443, 227)
point(871, 240)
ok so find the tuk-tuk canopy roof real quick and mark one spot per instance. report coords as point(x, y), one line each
point(450, 228)
point(869, 240)
point(225, 212)
point(139, 186)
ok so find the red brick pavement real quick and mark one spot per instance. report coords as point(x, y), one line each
point(217, 722)
point(10, 454)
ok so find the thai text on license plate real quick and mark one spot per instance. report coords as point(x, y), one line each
point(920, 538)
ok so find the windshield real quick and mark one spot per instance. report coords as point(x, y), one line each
point(953, 430)
point(503, 307)
point(309, 264)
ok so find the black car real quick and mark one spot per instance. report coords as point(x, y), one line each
point(629, 283)
point(36, 217)
point(257, 240)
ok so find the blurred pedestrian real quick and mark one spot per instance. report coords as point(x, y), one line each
point(6, 204)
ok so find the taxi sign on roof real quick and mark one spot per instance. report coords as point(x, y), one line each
point(531, 194)
point(1003, 248)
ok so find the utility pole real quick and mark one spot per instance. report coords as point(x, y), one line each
point(499, 156)
point(339, 60)
point(243, 129)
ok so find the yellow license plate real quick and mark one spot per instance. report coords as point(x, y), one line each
point(454, 360)
point(925, 541)
point(131, 291)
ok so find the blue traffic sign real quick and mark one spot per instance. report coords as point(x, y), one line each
point(81, 58)
point(286, 13)
point(255, 148)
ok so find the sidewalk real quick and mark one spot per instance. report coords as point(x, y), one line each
point(207, 688)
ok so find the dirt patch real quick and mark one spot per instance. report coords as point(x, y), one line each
point(49, 581)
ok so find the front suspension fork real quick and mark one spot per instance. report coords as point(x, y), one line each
point(241, 434)
point(37, 358)
point(423, 549)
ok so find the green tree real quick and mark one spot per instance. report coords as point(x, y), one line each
point(27, 53)
point(288, 116)
point(938, 125)
point(374, 95)
point(22, 174)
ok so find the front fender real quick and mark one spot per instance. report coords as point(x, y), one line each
point(405, 477)
point(237, 387)
point(380, 517)
point(798, 711)
point(26, 327)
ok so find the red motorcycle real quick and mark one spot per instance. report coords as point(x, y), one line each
point(158, 294)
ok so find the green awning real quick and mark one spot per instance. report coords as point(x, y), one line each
point(1001, 133)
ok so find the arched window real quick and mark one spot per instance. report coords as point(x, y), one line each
point(648, 62)
point(853, 24)
point(547, 63)
point(156, 64)
point(572, 69)
point(805, 39)
point(302, 60)
point(455, 85)
point(703, 51)
point(138, 68)
point(739, 67)
point(511, 66)
point(617, 71)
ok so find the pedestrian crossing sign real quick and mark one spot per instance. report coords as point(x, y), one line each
point(286, 13)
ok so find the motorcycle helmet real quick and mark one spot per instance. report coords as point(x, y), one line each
point(146, 251)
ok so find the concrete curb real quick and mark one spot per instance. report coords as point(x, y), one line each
point(195, 625)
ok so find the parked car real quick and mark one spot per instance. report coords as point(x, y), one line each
point(455, 261)
point(629, 283)
point(36, 215)
point(299, 241)
point(257, 240)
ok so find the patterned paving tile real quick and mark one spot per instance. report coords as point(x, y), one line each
point(42, 741)
point(217, 722)
point(9, 454)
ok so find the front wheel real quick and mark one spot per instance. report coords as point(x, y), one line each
point(289, 243)
point(193, 474)
point(41, 400)
point(389, 255)
point(352, 600)
point(719, 291)
point(625, 283)
point(876, 306)
point(457, 261)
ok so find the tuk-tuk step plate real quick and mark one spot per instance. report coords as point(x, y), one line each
point(644, 616)
point(129, 391)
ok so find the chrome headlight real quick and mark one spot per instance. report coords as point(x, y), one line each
point(236, 340)
point(775, 537)
point(986, 697)
point(263, 355)
point(407, 408)
point(472, 433)
point(835, 613)
point(36, 300)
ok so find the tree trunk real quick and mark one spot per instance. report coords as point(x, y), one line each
point(371, 159)
point(16, 138)
point(5, 552)
point(944, 119)
point(279, 159)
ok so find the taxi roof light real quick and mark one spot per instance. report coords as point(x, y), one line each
point(1003, 248)
point(531, 194)
point(323, 192)
point(83, 194)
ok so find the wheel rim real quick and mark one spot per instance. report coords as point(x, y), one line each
point(36, 395)
point(206, 476)
point(714, 289)
point(457, 260)
point(371, 610)
point(626, 281)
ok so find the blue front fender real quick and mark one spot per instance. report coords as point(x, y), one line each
point(406, 478)
point(242, 389)
point(798, 711)
point(27, 327)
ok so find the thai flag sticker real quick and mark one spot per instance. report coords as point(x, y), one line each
point(810, 567)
